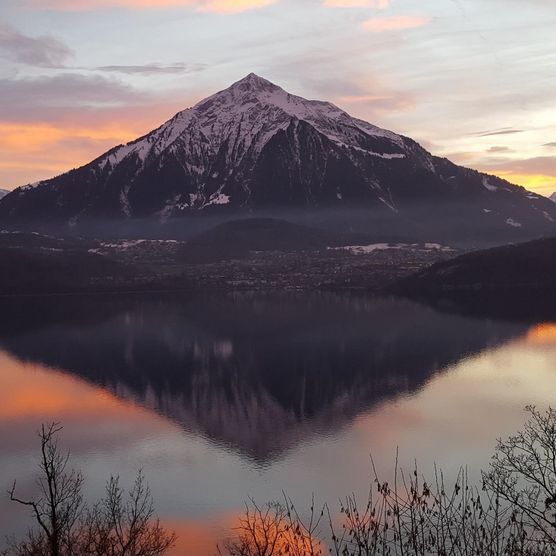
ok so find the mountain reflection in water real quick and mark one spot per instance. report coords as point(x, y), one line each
point(256, 374)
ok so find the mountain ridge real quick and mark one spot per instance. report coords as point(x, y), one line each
point(508, 281)
point(255, 146)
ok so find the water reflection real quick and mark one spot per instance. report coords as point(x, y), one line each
point(544, 333)
point(256, 374)
point(226, 397)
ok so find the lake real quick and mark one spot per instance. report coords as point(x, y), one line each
point(219, 398)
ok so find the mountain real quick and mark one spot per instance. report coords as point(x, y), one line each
point(511, 280)
point(55, 270)
point(3, 193)
point(553, 197)
point(253, 147)
point(236, 238)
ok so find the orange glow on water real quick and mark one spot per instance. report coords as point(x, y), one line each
point(456, 416)
point(544, 333)
point(204, 537)
point(34, 393)
point(196, 537)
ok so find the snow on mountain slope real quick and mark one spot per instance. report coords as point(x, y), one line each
point(244, 117)
point(254, 145)
point(3, 192)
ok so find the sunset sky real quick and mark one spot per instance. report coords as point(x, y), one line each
point(473, 80)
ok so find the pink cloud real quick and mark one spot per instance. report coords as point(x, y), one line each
point(231, 6)
point(217, 6)
point(395, 23)
point(372, 105)
point(380, 4)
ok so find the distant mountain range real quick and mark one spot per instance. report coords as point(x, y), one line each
point(553, 197)
point(255, 147)
point(3, 192)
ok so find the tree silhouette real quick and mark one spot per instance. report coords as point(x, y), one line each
point(117, 525)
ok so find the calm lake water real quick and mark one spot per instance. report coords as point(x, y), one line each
point(225, 397)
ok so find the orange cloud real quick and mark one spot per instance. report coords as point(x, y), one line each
point(537, 173)
point(35, 150)
point(395, 23)
point(380, 4)
point(33, 137)
point(539, 183)
point(362, 98)
point(233, 6)
point(383, 101)
point(217, 6)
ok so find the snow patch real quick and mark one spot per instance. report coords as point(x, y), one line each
point(513, 223)
point(366, 249)
point(124, 203)
point(126, 244)
point(170, 206)
point(218, 199)
point(30, 186)
point(389, 205)
point(488, 185)
point(437, 247)
point(194, 198)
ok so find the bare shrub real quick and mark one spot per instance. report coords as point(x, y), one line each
point(59, 506)
point(118, 525)
point(275, 530)
point(414, 517)
point(523, 474)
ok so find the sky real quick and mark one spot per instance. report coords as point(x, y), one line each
point(472, 80)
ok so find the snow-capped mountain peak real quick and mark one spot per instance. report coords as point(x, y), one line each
point(256, 93)
point(254, 83)
point(242, 119)
point(256, 145)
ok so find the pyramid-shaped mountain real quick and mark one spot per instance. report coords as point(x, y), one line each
point(255, 146)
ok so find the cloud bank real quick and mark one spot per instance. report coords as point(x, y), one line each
point(44, 51)
point(217, 6)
